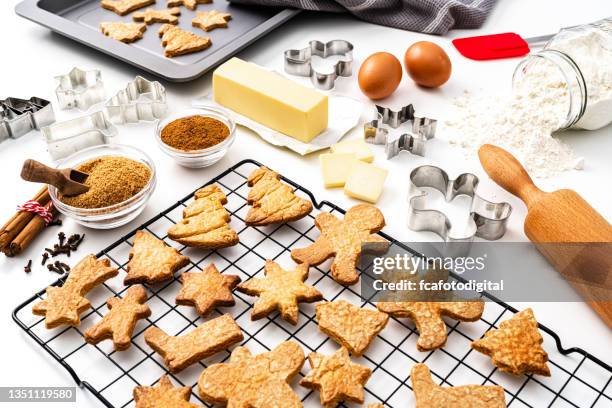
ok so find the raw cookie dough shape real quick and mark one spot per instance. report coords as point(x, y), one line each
point(343, 239)
point(180, 42)
point(179, 352)
point(163, 395)
point(336, 378)
point(349, 325)
point(119, 322)
point(152, 261)
point(430, 395)
point(516, 346)
point(205, 221)
point(123, 7)
point(209, 20)
point(124, 32)
point(190, 4)
point(64, 304)
point(273, 201)
point(280, 290)
point(152, 16)
point(207, 289)
point(260, 381)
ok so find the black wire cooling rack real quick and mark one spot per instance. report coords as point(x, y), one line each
point(578, 379)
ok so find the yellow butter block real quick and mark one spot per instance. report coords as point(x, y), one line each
point(270, 99)
point(365, 181)
point(356, 146)
point(336, 168)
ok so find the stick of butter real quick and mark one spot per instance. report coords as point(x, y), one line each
point(336, 167)
point(356, 146)
point(270, 99)
point(365, 181)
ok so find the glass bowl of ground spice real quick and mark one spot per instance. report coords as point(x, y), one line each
point(196, 137)
point(121, 180)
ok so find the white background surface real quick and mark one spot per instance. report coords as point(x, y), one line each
point(32, 56)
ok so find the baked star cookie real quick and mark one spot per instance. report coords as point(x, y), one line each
point(152, 16)
point(516, 347)
point(336, 378)
point(273, 201)
point(280, 290)
point(260, 381)
point(163, 395)
point(64, 304)
point(119, 323)
point(427, 317)
point(205, 221)
point(430, 395)
point(342, 240)
point(209, 20)
point(179, 352)
point(190, 4)
point(152, 261)
point(124, 32)
point(123, 7)
point(180, 42)
point(349, 325)
point(207, 289)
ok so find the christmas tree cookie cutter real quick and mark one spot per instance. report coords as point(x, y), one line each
point(20, 116)
point(141, 100)
point(80, 89)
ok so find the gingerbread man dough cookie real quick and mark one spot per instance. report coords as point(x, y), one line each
point(342, 239)
point(260, 381)
point(152, 16)
point(163, 395)
point(123, 7)
point(180, 42)
point(190, 4)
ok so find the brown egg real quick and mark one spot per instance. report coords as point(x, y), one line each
point(380, 75)
point(427, 64)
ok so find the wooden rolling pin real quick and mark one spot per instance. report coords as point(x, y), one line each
point(558, 218)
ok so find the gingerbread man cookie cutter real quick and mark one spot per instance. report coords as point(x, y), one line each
point(487, 219)
point(299, 62)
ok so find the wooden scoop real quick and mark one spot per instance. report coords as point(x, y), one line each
point(69, 182)
point(561, 217)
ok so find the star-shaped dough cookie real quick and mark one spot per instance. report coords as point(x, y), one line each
point(209, 20)
point(349, 325)
point(280, 290)
point(516, 347)
point(343, 239)
point(427, 317)
point(152, 16)
point(124, 32)
point(190, 4)
point(152, 261)
point(123, 7)
point(207, 289)
point(430, 395)
point(336, 378)
point(180, 42)
point(163, 395)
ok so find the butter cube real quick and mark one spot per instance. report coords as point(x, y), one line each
point(365, 182)
point(336, 168)
point(270, 99)
point(356, 146)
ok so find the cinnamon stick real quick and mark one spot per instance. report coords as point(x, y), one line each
point(29, 232)
point(20, 220)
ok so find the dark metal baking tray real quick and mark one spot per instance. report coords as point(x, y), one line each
point(80, 19)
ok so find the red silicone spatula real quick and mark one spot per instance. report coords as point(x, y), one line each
point(496, 46)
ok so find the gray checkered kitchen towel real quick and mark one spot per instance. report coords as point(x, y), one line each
point(427, 16)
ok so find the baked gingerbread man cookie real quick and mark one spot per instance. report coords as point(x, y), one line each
point(152, 16)
point(163, 395)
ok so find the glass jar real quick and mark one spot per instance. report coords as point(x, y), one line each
point(576, 67)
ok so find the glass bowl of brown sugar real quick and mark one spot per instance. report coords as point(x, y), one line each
point(121, 181)
point(196, 137)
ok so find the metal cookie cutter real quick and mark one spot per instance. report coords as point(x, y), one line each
point(488, 219)
point(20, 116)
point(423, 129)
point(140, 100)
point(299, 62)
point(80, 89)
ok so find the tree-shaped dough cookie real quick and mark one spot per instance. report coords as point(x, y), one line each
point(177, 41)
point(163, 395)
point(207, 289)
point(343, 239)
point(273, 201)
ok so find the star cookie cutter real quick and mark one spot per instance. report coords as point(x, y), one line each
point(299, 62)
point(80, 89)
point(141, 100)
point(423, 129)
point(20, 116)
point(488, 219)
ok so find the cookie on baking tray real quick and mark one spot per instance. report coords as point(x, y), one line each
point(336, 378)
point(123, 7)
point(119, 322)
point(350, 325)
point(280, 290)
point(260, 381)
point(516, 346)
point(190, 4)
point(163, 395)
point(65, 303)
point(342, 240)
point(152, 16)
point(178, 42)
point(207, 289)
point(179, 352)
point(205, 221)
point(124, 32)
point(209, 20)
point(152, 261)
point(430, 395)
point(273, 201)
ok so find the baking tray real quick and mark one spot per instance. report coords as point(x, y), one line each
point(578, 378)
point(80, 19)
